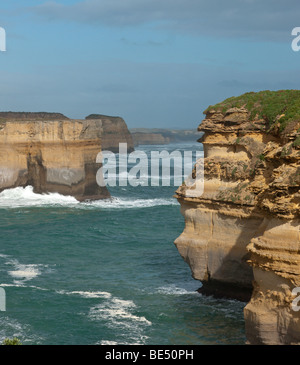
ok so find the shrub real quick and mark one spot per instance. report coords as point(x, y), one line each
point(11, 341)
point(234, 171)
point(280, 106)
point(296, 142)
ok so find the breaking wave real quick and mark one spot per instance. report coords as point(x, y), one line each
point(25, 197)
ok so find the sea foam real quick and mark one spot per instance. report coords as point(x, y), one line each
point(22, 273)
point(121, 315)
point(25, 197)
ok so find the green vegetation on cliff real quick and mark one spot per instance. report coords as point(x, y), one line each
point(281, 106)
point(11, 341)
point(102, 116)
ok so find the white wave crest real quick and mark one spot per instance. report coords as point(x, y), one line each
point(121, 314)
point(18, 285)
point(117, 309)
point(25, 197)
point(175, 290)
point(25, 272)
point(127, 203)
point(87, 294)
point(107, 342)
point(22, 273)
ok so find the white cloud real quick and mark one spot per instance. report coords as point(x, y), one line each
point(256, 19)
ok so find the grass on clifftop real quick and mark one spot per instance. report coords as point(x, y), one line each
point(282, 106)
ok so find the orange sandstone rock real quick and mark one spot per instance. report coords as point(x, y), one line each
point(242, 233)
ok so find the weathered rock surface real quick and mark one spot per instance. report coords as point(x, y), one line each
point(241, 236)
point(56, 154)
point(140, 138)
point(114, 131)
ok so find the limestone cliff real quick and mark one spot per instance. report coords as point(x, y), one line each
point(241, 237)
point(55, 154)
point(149, 138)
point(114, 131)
point(152, 136)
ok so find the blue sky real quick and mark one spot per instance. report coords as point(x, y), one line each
point(157, 64)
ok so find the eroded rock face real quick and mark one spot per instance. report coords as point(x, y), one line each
point(241, 237)
point(269, 316)
point(114, 131)
point(149, 138)
point(53, 153)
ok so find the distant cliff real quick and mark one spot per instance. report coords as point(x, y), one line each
point(31, 116)
point(241, 236)
point(114, 131)
point(56, 154)
point(163, 136)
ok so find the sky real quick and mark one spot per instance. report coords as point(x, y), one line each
point(155, 63)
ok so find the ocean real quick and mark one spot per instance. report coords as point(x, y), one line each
point(105, 272)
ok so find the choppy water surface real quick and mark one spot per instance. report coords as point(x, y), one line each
point(104, 272)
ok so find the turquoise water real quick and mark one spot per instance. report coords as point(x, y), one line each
point(105, 272)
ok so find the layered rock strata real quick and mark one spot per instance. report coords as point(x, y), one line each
point(114, 131)
point(149, 138)
point(241, 236)
point(56, 154)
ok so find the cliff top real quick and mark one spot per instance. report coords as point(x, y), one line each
point(31, 116)
point(45, 116)
point(281, 106)
point(101, 116)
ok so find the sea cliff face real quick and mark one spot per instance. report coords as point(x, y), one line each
point(114, 131)
point(152, 136)
point(241, 237)
point(53, 153)
point(149, 138)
